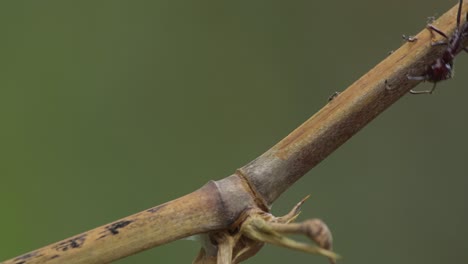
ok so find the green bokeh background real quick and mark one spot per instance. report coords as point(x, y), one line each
point(111, 107)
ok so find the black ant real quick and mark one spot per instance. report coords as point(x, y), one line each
point(333, 96)
point(409, 38)
point(442, 68)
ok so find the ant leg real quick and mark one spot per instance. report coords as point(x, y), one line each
point(431, 27)
point(439, 43)
point(416, 78)
point(425, 91)
point(459, 13)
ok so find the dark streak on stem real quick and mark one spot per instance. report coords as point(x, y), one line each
point(75, 242)
point(23, 258)
point(156, 208)
point(114, 228)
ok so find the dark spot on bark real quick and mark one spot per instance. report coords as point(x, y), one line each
point(156, 208)
point(23, 258)
point(75, 242)
point(114, 228)
point(54, 256)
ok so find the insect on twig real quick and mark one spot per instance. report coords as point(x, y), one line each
point(442, 68)
point(409, 38)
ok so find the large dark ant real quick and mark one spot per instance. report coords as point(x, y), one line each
point(442, 68)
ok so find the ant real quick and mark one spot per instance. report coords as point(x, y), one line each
point(442, 68)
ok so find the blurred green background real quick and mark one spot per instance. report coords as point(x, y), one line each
point(111, 107)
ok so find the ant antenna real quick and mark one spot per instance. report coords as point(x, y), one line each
point(442, 68)
point(459, 14)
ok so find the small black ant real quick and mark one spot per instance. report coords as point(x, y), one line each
point(333, 96)
point(442, 68)
point(409, 38)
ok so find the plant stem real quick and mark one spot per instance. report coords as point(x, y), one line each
point(217, 205)
point(277, 169)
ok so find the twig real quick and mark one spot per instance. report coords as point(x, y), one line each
point(218, 205)
point(277, 169)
